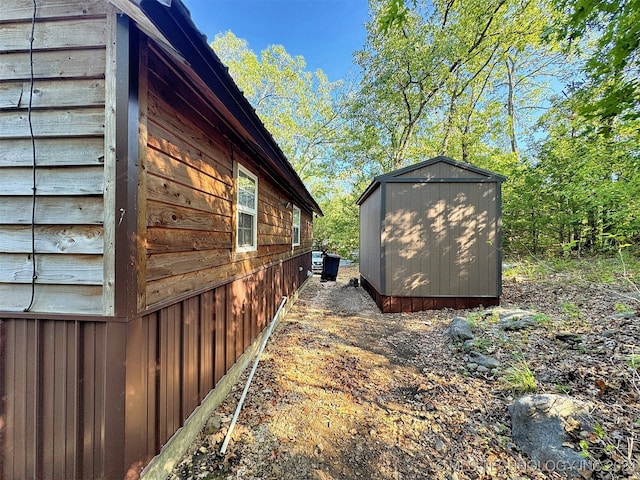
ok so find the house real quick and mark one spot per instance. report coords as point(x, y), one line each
point(430, 237)
point(149, 228)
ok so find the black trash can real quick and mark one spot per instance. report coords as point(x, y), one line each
point(330, 264)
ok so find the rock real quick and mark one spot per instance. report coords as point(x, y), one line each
point(213, 425)
point(609, 333)
point(568, 337)
point(468, 344)
point(482, 369)
point(440, 446)
point(472, 367)
point(513, 320)
point(459, 330)
point(538, 428)
point(622, 316)
point(483, 360)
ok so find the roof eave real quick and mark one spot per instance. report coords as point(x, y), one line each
point(175, 23)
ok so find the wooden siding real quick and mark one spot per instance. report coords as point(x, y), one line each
point(68, 121)
point(439, 170)
point(84, 399)
point(370, 224)
point(440, 239)
point(190, 195)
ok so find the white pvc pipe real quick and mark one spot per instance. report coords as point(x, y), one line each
point(253, 371)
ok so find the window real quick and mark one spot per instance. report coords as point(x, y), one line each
point(296, 226)
point(247, 221)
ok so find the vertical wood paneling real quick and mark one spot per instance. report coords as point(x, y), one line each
point(245, 311)
point(90, 440)
point(113, 400)
point(220, 366)
point(232, 327)
point(152, 385)
point(190, 355)
point(169, 365)
point(452, 231)
point(370, 233)
point(137, 389)
point(82, 399)
point(207, 343)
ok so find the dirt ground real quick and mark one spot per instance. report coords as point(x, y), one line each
point(345, 392)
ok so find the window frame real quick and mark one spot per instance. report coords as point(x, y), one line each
point(293, 227)
point(243, 209)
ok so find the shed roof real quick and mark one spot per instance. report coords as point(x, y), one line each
point(171, 23)
point(486, 175)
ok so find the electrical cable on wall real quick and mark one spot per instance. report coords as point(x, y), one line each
point(34, 274)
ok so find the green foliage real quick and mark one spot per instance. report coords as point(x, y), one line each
point(571, 311)
point(621, 269)
point(563, 388)
point(542, 319)
point(633, 361)
point(519, 377)
point(338, 230)
point(623, 308)
point(613, 63)
point(301, 109)
point(582, 192)
point(433, 80)
point(469, 80)
point(481, 344)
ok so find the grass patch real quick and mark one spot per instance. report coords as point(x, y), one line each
point(633, 361)
point(571, 311)
point(481, 344)
point(542, 319)
point(615, 269)
point(519, 378)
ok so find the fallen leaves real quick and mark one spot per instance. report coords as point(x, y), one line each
point(346, 392)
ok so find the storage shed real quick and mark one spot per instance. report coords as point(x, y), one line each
point(430, 237)
point(149, 228)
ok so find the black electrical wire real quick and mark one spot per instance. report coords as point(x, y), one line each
point(34, 273)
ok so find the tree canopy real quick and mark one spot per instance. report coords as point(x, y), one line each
point(544, 92)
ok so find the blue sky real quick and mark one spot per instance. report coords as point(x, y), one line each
point(324, 32)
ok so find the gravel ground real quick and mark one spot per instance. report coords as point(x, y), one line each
point(344, 392)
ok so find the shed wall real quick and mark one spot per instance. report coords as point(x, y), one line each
point(440, 239)
point(370, 223)
point(68, 120)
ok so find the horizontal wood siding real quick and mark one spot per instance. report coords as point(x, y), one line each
point(190, 194)
point(441, 240)
point(68, 121)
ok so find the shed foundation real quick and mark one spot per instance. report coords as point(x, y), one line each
point(395, 304)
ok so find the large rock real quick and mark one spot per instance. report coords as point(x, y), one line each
point(538, 426)
point(459, 330)
point(484, 360)
point(516, 319)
